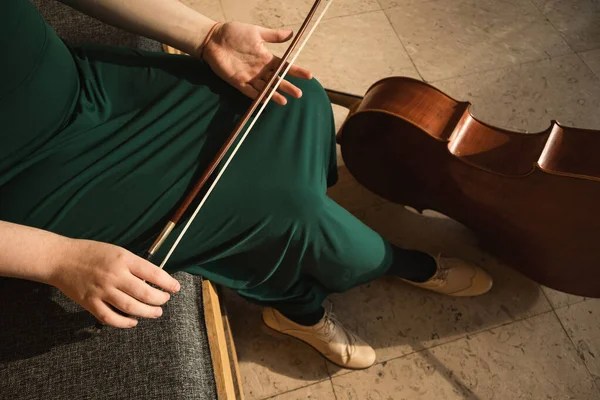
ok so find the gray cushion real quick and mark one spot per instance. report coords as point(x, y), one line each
point(50, 349)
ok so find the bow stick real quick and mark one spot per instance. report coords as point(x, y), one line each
point(271, 86)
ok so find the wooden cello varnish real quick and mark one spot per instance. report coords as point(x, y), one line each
point(530, 198)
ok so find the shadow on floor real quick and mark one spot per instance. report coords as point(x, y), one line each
point(395, 318)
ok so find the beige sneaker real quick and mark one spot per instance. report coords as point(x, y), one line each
point(328, 337)
point(456, 277)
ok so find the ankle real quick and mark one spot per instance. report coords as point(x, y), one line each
point(412, 265)
point(306, 319)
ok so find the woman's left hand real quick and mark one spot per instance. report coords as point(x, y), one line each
point(237, 53)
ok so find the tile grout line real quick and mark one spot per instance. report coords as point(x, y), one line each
point(223, 10)
point(293, 23)
point(565, 40)
point(293, 390)
point(560, 34)
point(332, 387)
point(550, 58)
point(571, 304)
point(552, 25)
point(588, 67)
point(353, 14)
point(473, 334)
point(561, 307)
point(330, 377)
point(403, 5)
point(401, 42)
point(592, 376)
point(546, 296)
point(572, 51)
point(326, 18)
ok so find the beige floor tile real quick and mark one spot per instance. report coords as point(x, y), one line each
point(275, 14)
point(210, 8)
point(320, 391)
point(559, 299)
point(527, 97)
point(350, 194)
point(340, 113)
point(396, 3)
point(531, 359)
point(397, 319)
point(449, 38)
point(582, 322)
point(270, 363)
point(592, 59)
point(577, 20)
point(349, 54)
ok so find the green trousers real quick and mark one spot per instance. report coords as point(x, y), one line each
point(102, 143)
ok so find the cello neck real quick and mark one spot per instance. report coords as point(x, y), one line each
point(349, 101)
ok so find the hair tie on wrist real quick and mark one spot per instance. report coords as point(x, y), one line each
point(208, 37)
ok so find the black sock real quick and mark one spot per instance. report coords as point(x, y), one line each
point(308, 319)
point(412, 265)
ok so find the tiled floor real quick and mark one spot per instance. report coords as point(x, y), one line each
point(521, 63)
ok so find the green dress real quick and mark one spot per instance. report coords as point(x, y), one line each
point(102, 143)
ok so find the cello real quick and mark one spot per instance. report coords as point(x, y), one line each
point(529, 197)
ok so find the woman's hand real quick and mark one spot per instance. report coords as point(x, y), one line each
point(237, 53)
point(100, 274)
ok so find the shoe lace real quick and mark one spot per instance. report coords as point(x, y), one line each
point(442, 273)
point(331, 325)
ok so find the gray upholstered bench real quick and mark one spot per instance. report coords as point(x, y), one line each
point(50, 349)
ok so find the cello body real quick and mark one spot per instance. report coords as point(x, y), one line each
point(530, 198)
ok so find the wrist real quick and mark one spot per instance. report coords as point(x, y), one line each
point(31, 253)
point(188, 34)
point(207, 38)
point(65, 255)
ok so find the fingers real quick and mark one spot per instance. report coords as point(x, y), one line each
point(248, 90)
point(151, 273)
point(259, 84)
point(131, 306)
point(299, 72)
point(254, 87)
point(106, 316)
point(133, 297)
point(287, 87)
point(295, 71)
point(143, 292)
point(275, 35)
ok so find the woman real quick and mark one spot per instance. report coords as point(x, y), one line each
point(99, 144)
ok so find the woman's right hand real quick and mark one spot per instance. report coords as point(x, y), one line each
point(99, 275)
point(238, 54)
